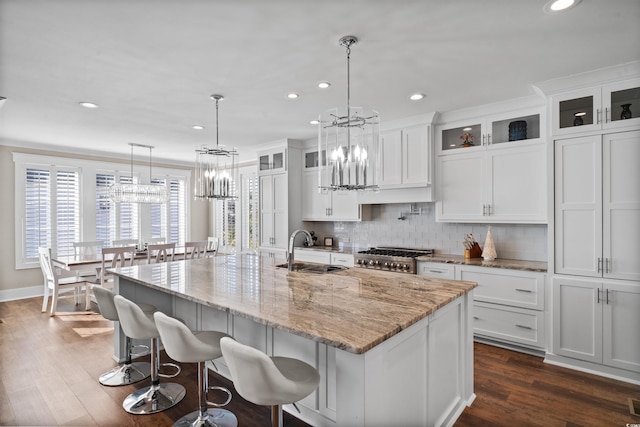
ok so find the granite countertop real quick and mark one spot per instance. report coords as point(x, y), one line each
point(353, 309)
point(513, 264)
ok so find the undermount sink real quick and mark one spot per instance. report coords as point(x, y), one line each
point(304, 267)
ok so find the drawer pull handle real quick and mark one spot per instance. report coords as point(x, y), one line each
point(524, 327)
point(436, 271)
point(476, 318)
point(524, 290)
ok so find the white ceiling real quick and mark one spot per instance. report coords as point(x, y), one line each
point(152, 64)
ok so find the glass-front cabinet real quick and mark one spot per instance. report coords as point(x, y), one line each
point(272, 161)
point(612, 106)
point(490, 131)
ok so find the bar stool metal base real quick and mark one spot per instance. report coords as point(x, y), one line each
point(126, 374)
point(214, 417)
point(152, 399)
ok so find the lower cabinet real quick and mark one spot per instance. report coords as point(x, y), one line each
point(436, 269)
point(597, 321)
point(509, 305)
point(323, 257)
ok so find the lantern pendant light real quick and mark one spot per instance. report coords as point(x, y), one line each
point(216, 174)
point(350, 140)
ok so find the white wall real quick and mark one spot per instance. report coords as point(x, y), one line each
point(513, 241)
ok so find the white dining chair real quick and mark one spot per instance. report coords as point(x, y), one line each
point(160, 253)
point(212, 245)
point(113, 258)
point(55, 286)
point(195, 249)
point(84, 250)
point(156, 240)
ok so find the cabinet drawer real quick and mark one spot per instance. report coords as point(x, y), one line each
point(310, 255)
point(509, 287)
point(515, 325)
point(436, 269)
point(342, 259)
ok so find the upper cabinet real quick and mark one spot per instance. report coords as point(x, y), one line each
point(612, 106)
point(492, 169)
point(272, 161)
point(405, 158)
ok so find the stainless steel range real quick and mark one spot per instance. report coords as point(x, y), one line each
point(392, 259)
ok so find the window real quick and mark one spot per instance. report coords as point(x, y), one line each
point(250, 213)
point(226, 223)
point(58, 202)
point(50, 210)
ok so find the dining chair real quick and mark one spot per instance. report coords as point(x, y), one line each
point(160, 253)
point(124, 242)
point(84, 250)
point(54, 285)
point(212, 245)
point(195, 249)
point(156, 240)
point(113, 258)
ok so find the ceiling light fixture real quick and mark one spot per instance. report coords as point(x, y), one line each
point(197, 127)
point(132, 192)
point(314, 122)
point(293, 95)
point(324, 85)
point(86, 104)
point(417, 96)
point(216, 168)
point(351, 140)
point(553, 6)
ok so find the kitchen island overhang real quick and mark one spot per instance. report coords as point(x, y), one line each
point(390, 347)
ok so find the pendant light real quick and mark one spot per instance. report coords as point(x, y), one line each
point(350, 140)
point(138, 193)
point(216, 174)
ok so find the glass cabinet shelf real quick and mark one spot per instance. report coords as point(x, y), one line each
point(462, 137)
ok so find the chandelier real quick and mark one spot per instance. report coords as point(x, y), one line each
point(350, 141)
point(138, 193)
point(216, 168)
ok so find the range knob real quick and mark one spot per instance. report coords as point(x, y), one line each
point(405, 267)
point(386, 264)
point(376, 263)
point(371, 262)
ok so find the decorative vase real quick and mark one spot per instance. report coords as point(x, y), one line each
point(626, 112)
point(578, 121)
point(517, 130)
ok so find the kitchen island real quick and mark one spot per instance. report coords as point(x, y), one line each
point(391, 348)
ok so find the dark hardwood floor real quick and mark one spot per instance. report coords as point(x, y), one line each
point(49, 369)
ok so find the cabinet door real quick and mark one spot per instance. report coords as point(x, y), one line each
point(577, 111)
point(344, 206)
point(577, 319)
point(280, 210)
point(578, 206)
point(415, 156)
point(314, 202)
point(460, 186)
point(621, 317)
point(391, 161)
point(618, 98)
point(518, 177)
point(621, 205)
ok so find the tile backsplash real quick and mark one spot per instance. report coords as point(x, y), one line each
point(512, 241)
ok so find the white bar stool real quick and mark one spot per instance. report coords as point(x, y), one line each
point(186, 346)
point(128, 372)
point(157, 397)
point(271, 381)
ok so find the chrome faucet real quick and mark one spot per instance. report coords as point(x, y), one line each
point(291, 242)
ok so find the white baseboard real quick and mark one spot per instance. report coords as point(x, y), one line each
point(20, 293)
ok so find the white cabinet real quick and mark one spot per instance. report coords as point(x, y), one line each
point(328, 205)
point(280, 188)
point(597, 321)
point(405, 160)
point(436, 269)
point(321, 256)
point(492, 169)
point(343, 259)
point(508, 305)
point(506, 184)
point(597, 206)
point(597, 108)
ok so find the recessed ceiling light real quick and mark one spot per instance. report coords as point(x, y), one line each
point(88, 104)
point(417, 96)
point(467, 129)
point(197, 127)
point(324, 85)
point(293, 95)
point(553, 6)
point(314, 122)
